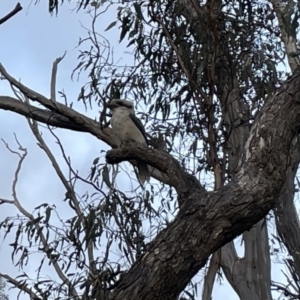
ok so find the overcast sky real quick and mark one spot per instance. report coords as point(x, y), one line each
point(29, 43)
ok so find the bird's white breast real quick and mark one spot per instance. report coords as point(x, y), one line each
point(124, 128)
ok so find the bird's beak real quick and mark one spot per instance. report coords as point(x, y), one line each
point(111, 105)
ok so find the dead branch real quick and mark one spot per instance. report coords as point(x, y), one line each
point(53, 77)
point(17, 8)
point(18, 205)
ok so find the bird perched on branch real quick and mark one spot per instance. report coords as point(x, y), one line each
point(127, 127)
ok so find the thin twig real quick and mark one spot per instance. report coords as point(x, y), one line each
point(6, 201)
point(17, 203)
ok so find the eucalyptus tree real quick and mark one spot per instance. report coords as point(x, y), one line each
point(219, 104)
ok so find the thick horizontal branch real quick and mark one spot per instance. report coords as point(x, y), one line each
point(209, 220)
point(159, 160)
point(62, 116)
point(55, 107)
point(51, 118)
point(41, 115)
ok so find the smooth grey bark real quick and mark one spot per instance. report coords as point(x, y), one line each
point(286, 218)
point(3, 295)
point(245, 274)
point(250, 276)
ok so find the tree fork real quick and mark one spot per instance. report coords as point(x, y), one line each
point(208, 220)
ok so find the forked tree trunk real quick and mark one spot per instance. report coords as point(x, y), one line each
point(208, 221)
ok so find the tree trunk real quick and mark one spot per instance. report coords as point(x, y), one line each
point(250, 276)
point(208, 221)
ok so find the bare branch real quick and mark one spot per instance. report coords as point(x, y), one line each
point(70, 190)
point(53, 77)
point(160, 160)
point(20, 285)
point(12, 13)
point(46, 116)
point(284, 14)
point(31, 217)
point(56, 107)
point(19, 166)
point(6, 201)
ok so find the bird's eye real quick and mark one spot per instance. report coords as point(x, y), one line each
point(120, 103)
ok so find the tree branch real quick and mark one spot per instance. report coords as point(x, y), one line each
point(17, 8)
point(62, 116)
point(69, 187)
point(56, 107)
point(160, 160)
point(55, 119)
point(210, 275)
point(20, 285)
point(284, 12)
point(209, 220)
point(28, 215)
point(44, 116)
point(286, 218)
point(53, 77)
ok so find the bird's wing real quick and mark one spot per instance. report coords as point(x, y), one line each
point(138, 123)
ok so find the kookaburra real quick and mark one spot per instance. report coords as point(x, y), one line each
point(127, 127)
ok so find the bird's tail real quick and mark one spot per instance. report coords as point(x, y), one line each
point(143, 172)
